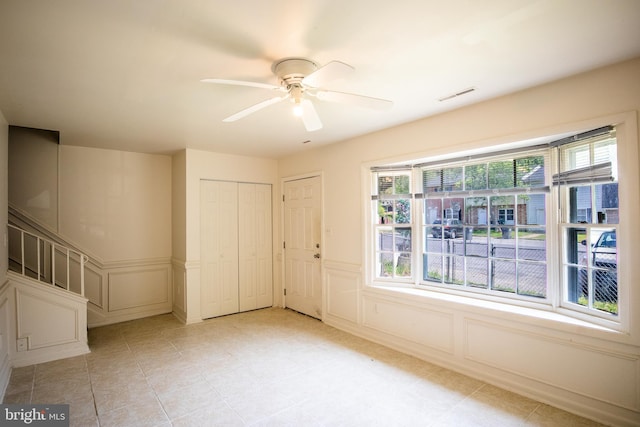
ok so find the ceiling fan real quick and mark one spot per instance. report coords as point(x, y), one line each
point(301, 79)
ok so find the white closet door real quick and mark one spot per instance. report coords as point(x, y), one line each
point(255, 246)
point(219, 248)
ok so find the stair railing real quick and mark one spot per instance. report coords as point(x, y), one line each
point(46, 261)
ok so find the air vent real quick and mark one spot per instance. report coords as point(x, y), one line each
point(457, 94)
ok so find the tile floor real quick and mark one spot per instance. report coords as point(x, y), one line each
point(269, 367)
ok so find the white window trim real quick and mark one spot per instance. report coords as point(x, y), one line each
point(627, 142)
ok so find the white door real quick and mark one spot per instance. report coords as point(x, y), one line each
point(302, 222)
point(218, 248)
point(255, 246)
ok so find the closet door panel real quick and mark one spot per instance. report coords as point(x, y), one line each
point(247, 246)
point(264, 247)
point(219, 248)
point(256, 283)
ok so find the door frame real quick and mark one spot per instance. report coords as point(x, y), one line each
point(282, 285)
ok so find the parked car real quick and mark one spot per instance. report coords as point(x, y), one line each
point(452, 228)
point(604, 260)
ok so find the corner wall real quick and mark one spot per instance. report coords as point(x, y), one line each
point(201, 165)
point(116, 206)
point(566, 364)
point(5, 368)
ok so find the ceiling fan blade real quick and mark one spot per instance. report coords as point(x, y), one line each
point(353, 99)
point(310, 117)
point(241, 83)
point(254, 108)
point(332, 71)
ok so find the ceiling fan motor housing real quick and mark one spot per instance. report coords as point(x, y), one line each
point(291, 71)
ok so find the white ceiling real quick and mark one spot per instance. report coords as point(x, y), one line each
point(125, 74)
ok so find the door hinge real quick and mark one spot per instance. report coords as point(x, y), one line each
point(283, 197)
point(284, 245)
point(285, 292)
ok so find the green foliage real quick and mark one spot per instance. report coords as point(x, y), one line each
point(609, 307)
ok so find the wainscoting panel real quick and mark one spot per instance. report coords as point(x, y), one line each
point(342, 284)
point(5, 365)
point(178, 283)
point(430, 328)
point(135, 288)
point(93, 286)
point(45, 321)
point(587, 371)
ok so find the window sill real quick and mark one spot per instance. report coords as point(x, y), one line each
point(538, 317)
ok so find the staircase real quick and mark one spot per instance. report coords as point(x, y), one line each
point(46, 294)
point(46, 261)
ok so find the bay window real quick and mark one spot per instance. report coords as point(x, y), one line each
point(535, 224)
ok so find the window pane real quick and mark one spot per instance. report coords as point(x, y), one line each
point(433, 239)
point(501, 174)
point(604, 151)
point(432, 267)
point(532, 279)
point(385, 261)
point(575, 157)
point(576, 254)
point(475, 177)
point(503, 210)
point(607, 203)
point(532, 244)
point(454, 270)
point(476, 211)
point(385, 184)
point(452, 179)
point(402, 185)
point(385, 239)
point(432, 180)
point(452, 208)
point(530, 171)
point(385, 211)
point(403, 265)
point(403, 211)
point(503, 275)
point(579, 204)
point(477, 246)
point(477, 272)
point(531, 209)
point(403, 239)
point(503, 243)
point(432, 210)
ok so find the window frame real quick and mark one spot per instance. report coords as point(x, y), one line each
point(491, 191)
point(626, 134)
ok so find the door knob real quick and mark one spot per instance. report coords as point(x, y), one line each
point(316, 255)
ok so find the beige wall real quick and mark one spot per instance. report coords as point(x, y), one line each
point(116, 205)
point(507, 347)
point(5, 368)
point(201, 165)
point(4, 195)
point(179, 205)
point(34, 193)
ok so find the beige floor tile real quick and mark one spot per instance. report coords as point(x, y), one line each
point(115, 396)
point(138, 413)
point(219, 414)
point(548, 416)
point(18, 398)
point(269, 367)
point(63, 391)
point(178, 402)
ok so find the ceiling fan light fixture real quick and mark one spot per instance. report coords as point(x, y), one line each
point(296, 97)
point(299, 79)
